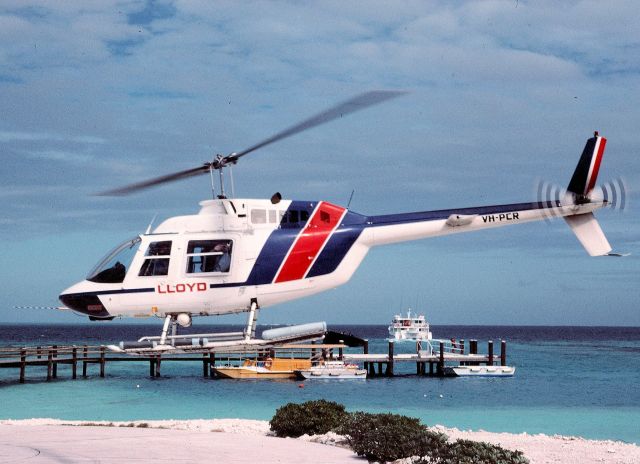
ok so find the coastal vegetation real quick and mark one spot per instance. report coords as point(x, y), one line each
point(310, 418)
point(386, 437)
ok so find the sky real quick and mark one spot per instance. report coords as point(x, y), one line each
point(501, 95)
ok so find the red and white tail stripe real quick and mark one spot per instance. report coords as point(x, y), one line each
point(595, 164)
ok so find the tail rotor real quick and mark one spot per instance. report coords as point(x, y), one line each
point(614, 193)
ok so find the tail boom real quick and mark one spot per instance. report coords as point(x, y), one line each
point(396, 228)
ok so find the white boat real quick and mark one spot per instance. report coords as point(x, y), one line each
point(409, 328)
point(483, 371)
point(333, 370)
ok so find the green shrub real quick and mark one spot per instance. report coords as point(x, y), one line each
point(311, 418)
point(387, 437)
point(475, 452)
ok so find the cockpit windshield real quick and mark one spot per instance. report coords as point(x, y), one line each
point(113, 267)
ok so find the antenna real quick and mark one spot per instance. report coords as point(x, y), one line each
point(221, 196)
point(351, 198)
point(148, 231)
point(213, 184)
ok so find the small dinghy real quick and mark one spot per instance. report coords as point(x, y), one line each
point(333, 370)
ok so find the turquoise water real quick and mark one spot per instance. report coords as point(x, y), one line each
point(569, 381)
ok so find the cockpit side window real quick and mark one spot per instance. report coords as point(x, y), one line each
point(113, 267)
point(156, 261)
point(209, 256)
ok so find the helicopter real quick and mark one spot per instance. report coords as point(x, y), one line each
point(242, 255)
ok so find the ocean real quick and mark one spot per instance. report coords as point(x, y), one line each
point(580, 381)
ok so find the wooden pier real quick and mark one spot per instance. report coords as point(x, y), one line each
point(431, 361)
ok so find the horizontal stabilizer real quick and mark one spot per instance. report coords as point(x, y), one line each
point(588, 231)
point(456, 220)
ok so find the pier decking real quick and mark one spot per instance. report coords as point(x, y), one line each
point(436, 357)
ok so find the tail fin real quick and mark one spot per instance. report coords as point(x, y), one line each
point(585, 226)
point(586, 173)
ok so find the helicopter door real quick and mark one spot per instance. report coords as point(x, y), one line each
point(209, 260)
point(149, 270)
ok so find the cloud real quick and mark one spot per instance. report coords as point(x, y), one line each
point(43, 136)
point(63, 156)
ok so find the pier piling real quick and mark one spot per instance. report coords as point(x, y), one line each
point(102, 360)
point(503, 352)
point(389, 372)
point(55, 361)
point(490, 352)
point(74, 361)
point(212, 365)
point(473, 349)
point(85, 355)
point(49, 364)
point(365, 350)
point(23, 363)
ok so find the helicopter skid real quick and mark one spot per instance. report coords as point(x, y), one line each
point(227, 341)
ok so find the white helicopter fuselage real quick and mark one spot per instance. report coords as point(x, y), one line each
point(239, 253)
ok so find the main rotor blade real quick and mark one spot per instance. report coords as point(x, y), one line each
point(352, 105)
point(158, 180)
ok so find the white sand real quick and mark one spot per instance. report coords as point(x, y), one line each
point(248, 441)
point(541, 449)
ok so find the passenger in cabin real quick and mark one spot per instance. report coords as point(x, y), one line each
point(224, 262)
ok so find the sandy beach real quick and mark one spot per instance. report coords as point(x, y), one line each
point(247, 441)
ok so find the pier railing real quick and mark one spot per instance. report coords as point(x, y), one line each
point(51, 357)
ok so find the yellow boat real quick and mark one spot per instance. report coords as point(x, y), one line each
point(276, 368)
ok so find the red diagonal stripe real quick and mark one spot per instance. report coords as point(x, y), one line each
point(596, 166)
point(311, 240)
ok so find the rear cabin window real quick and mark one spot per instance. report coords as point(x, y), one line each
point(294, 217)
point(156, 262)
point(209, 256)
point(258, 216)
